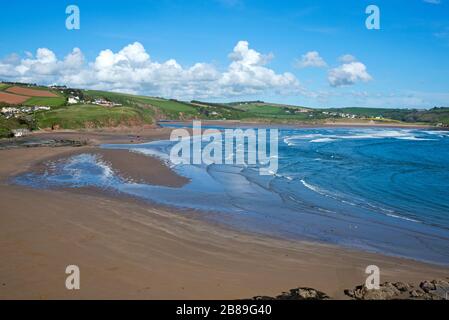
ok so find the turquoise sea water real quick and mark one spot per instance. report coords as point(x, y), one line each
point(381, 190)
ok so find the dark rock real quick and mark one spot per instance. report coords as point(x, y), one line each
point(437, 289)
point(427, 286)
point(349, 293)
point(444, 284)
point(428, 290)
point(417, 293)
point(303, 294)
point(33, 142)
point(386, 291)
point(263, 298)
point(403, 287)
point(297, 294)
point(358, 292)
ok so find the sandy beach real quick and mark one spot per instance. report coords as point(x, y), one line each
point(130, 249)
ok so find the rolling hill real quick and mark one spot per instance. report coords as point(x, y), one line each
point(96, 109)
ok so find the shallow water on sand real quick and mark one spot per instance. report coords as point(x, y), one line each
point(377, 189)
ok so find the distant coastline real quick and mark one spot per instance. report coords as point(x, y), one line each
point(367, 124)
point(28, 107)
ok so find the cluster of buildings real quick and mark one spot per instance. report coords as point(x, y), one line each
point(340, 114)
point(99, 102)
point(10, 112)
point(105, 103)
point(57, 87)
point(296, 111)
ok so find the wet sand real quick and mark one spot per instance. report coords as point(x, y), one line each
point(130, 249)
point(132, 166)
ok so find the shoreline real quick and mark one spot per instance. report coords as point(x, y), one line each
point(180, 255)
point(237, 123)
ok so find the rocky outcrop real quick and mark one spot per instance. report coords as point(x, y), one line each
point(297, 294)
point(30, 142)
point(436, 288)
point(386, 291)
point(427, 290)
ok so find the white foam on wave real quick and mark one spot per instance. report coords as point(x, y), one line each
point(380, 134)
point(312, 187)
point(322, 140)
point(402, 217)
point(413, 138)
point(440, 133)
point(385, 211)
point(402, 134)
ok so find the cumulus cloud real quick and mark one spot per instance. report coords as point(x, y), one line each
point(350, 72)
point(311, 59)
point(44, 67)
point(132, 70)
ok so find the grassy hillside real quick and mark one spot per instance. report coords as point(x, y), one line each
point(91, 116)
point(258, 110)
point(132, 110)
point(275, 112)
point(46, 101)
point(168, 109)
point(432, 116)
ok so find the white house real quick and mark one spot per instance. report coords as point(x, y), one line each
point(73, 100)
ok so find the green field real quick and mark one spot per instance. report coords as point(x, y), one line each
point(90, 116)
point(277, 113)
point(168, 109)
point(45, 101)
point(3, 86)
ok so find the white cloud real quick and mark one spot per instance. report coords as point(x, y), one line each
point(74, 60)
point(347, 58)
point(132, 70)
point(433, 1)
point(349, 73)
point(311, 59)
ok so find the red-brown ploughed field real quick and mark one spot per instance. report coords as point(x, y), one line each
point(31, 92)
point(12, 98)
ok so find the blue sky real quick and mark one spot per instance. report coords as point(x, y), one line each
point(223, 50)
